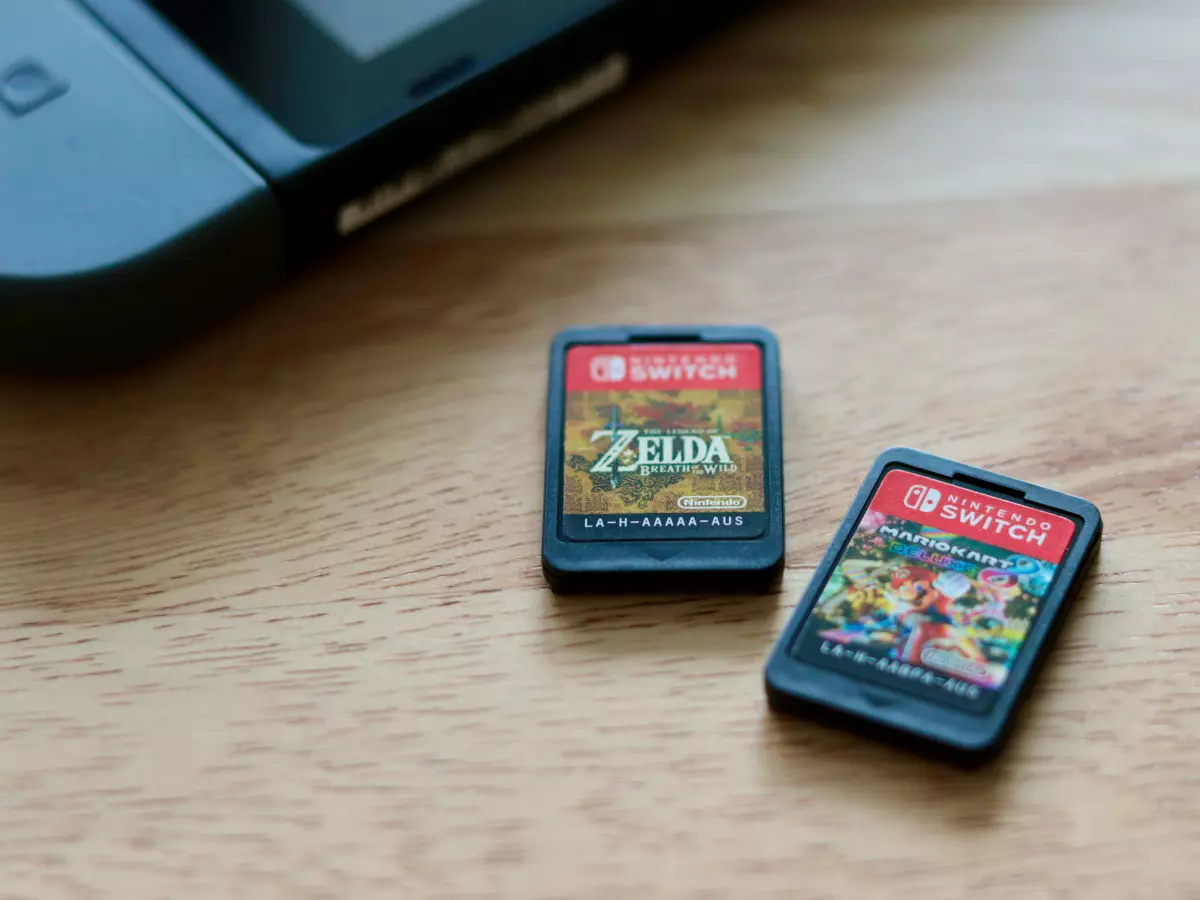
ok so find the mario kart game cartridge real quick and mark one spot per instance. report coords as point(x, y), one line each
point(935, 606)
point(664, 464)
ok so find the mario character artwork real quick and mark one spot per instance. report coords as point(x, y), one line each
point(890, 599)
point(930, 619)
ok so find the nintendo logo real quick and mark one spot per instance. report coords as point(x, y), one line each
point(949, 661)
point(608, 368)
point(922, 498)
point(712, 502)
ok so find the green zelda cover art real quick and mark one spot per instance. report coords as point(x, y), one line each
point(663, 442)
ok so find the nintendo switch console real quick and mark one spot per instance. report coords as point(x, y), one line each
point(162, 160)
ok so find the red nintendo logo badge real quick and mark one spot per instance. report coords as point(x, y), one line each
point(990, 519)
point(664, 367)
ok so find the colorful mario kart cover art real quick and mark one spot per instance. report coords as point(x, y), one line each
point(936, 590)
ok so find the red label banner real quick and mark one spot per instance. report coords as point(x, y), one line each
point(664, 367)
point(970, 514)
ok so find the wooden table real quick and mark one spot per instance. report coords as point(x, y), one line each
point(272, 619)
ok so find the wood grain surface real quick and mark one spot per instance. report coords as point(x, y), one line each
point(272, 623)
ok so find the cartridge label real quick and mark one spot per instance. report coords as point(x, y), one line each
point(936, 590)
point(664, 442)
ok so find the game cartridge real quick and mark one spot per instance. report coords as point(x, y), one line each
point(664, 465)
point(935, 605)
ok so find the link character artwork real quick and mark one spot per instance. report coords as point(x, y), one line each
point(664, 442)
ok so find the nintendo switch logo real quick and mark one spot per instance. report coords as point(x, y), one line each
point(922, 498)
point(606, 369)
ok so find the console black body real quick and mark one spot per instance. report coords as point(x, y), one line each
point(144, 191)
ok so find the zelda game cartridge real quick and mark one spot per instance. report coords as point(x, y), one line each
point(935, 606)
point(664, 467)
